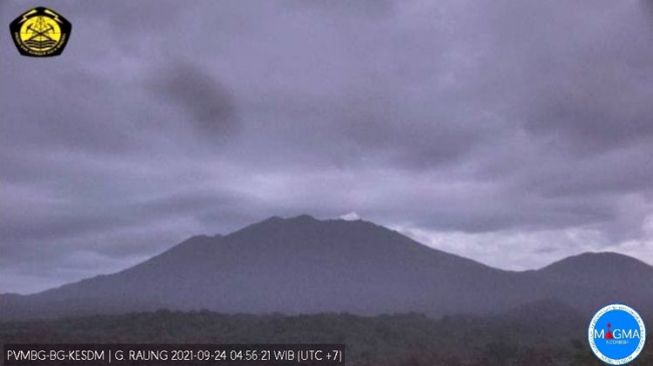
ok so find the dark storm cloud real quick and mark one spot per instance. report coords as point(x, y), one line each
point(208, 103)
point(511, 132)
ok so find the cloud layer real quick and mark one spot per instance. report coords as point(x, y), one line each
point(512, 133)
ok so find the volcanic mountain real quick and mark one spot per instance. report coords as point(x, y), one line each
point(305, 265)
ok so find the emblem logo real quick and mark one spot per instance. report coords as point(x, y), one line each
point(617, 334)
point(40, 32)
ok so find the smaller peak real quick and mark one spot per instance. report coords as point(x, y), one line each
point(602, 259)
point(303, 217)
point(276, 220)
point(600, 256)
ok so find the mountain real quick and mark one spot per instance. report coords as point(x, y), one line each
point(305, 265)
point(591, 280)
point(605, 269)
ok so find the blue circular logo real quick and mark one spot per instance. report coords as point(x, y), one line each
point(617, 334)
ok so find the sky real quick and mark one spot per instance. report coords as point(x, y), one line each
point(515, 133)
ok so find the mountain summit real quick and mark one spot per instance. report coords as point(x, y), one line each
point(305, 265)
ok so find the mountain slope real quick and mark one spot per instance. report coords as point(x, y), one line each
point(304, 265)
point(592, 280)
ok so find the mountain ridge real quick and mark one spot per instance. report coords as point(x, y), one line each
point(305, 265)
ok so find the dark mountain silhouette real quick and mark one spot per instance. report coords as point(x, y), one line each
point(591, 280)
point(304, 265)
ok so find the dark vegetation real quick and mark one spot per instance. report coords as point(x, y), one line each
point(409, 339)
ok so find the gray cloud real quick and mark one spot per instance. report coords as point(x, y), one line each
point(208, 103)
point(513, 133)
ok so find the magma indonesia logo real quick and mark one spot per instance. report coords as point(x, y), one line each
point(40, 32)
point(617, 334)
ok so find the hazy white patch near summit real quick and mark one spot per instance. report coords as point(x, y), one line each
point(351, 216)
